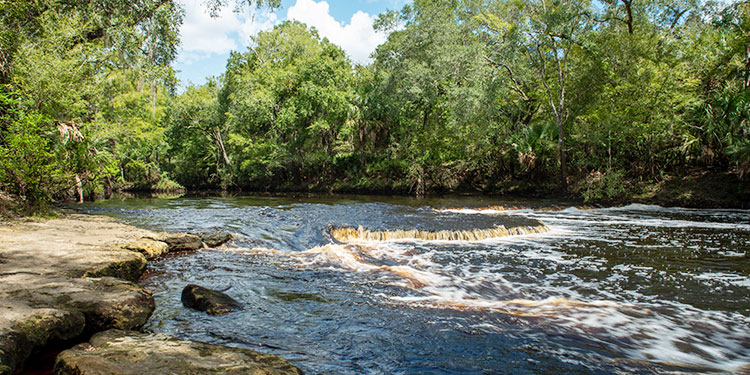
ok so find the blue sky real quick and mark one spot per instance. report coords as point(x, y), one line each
point(207, 42)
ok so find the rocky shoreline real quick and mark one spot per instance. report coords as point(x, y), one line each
point(65, 280)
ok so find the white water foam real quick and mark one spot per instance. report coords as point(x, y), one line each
point(507, 279)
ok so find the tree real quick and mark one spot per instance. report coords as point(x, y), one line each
point(214, 6)
point(547, 32)
point(432, 83)
point(196, 137)
point(98, 70)
point(289, 95)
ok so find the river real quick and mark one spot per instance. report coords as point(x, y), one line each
point(624, 290)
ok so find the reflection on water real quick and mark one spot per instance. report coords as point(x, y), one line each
point(635, 289)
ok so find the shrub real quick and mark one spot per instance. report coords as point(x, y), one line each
point(603, 186)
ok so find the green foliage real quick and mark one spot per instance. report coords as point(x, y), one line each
point(28, 166)
point(287, 102)
point(463, 95)
point(99, 75)
point(605, 186)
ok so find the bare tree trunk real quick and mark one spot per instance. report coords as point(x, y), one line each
point(108, 191)
point(609, 151)
point(420, 184)
point(561, 145)
point(79, 188)
point(222, 150)
point(559, 108)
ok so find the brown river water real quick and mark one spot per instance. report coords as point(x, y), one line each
point(460, 285)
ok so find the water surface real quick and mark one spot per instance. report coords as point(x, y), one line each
point(635, 289)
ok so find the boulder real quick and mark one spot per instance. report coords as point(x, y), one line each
point(29, 328)
point(211, 301)
point(111, 303)
point(39, 312)
point(180, 241)
point(117, 352)
point(149, 248)
point(215, 239)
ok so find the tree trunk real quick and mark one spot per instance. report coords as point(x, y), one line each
point(561, 145)
point(420, 184)
point(609, 151)
point(222, 150)
point(108, 191)
point(629, 15)
point(79, 188)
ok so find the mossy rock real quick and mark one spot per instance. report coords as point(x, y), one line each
point(112, 303)
point(35, 331)
point(129, 269)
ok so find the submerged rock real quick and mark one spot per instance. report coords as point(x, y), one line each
point(211, 301)
point(126, 352)
point(215, 239)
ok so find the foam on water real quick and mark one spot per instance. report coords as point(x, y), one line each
point(635, 325)
point(640, 282)
point(361, 234)
point(684, 335)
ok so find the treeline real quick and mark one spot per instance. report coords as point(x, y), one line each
point(599, 98)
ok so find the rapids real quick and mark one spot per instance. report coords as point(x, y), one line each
point(350, 284)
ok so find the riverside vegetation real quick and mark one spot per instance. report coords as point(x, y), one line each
point(608, 100)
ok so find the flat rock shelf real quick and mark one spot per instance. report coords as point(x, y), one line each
point(116, 352)
point(66, 279)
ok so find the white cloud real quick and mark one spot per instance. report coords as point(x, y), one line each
point(207, 41)
point(252, 26)
point(357, 37)
point(203, 36)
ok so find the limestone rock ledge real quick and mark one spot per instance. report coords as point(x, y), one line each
point(126, 352)
point(64, 279)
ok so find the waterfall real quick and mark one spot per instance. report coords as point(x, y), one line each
point(361, 234)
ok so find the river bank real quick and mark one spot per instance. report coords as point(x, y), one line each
point(694, 189)
point(68, 278)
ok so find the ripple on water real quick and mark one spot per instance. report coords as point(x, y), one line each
point(635, 289)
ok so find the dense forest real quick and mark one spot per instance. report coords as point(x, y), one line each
point(603, 100)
